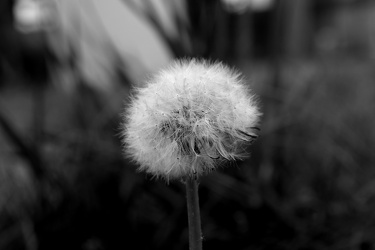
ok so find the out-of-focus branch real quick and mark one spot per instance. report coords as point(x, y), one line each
point(26, 151)
point(149, 14)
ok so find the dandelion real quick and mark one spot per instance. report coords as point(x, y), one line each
point(189, 119)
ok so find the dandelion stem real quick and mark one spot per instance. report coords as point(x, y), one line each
point(194, 218)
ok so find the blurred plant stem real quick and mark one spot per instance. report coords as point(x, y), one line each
point(30, 238)
point(273, 147)
point(194, 217)
point(38, 117)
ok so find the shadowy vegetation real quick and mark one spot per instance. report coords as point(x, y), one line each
point(309, 184)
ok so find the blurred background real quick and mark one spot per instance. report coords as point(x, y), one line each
point(67, 68)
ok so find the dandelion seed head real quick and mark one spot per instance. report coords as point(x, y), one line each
point(190, 118)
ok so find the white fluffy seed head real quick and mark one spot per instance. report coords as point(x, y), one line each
point(189, 118)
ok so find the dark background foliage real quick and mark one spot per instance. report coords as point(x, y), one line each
point(310, 180)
